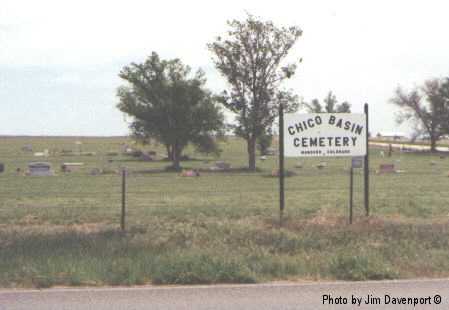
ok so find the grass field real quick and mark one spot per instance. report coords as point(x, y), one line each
point(219, 227)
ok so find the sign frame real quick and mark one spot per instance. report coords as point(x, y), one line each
point(365, 166)
point(325, 135)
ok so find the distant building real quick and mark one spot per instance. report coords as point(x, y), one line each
point(393, 136)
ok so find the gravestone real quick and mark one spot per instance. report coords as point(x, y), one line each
point(322, 165)
point(87, 153)
point(109, 171)
point(299, 165)
point(69, 167)
point(270, 152)
point(128, 150)
point(287, 173)
point(95, 171)
point(221, 165)
point(146, 157)
point(386, 168)
point(65, 152)
point(39, 169)
point(357, 162)
point(27, 148)
point(190, 173)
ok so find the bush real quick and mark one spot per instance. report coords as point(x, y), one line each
point(361, 267)
point(192, 268)
point(43, 282)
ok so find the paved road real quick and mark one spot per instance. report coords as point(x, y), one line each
point(265, 296)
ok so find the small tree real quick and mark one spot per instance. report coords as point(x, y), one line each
point(330, 105)
point(427, 107)
point(315, 106)
point(344, 107)
point(250, 57)
point(169, 105)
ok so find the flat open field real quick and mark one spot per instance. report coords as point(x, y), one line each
point(218, 227)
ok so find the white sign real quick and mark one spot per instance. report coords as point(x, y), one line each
point(325, 134)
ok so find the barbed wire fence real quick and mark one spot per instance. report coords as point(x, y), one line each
point(78, 197)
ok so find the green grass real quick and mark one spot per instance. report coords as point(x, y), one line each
point(219, 227)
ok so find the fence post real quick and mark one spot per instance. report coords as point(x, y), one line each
point(122, 219)
point(281, 164)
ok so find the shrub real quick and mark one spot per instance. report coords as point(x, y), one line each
point(192, 268)
point(361, 267)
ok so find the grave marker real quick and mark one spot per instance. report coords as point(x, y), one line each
point(322, 165)
point(69, 167)
point(386, 168)
point(357, 162)
point(39, 169)
point(27, 148)
point(190, 173)
point(221, 165)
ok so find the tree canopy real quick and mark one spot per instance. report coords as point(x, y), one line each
point(169, 104)
point(427, 107)
point(249, 56)
point(330, 105)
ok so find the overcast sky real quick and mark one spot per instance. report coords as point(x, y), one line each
point(59, 60)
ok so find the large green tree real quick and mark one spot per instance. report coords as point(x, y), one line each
point(330, 105)
point(169, 104)
point(427, 107)
point(250, 57)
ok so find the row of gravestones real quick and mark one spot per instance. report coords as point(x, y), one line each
point(45, 169)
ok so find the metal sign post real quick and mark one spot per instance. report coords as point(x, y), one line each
point(356, 162)
point(351, 191)
point(366, 166)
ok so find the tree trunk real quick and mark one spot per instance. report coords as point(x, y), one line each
point(433, 144)
point(169, 152)
point(176, 152)
point(251, 143)
point(176, 164)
